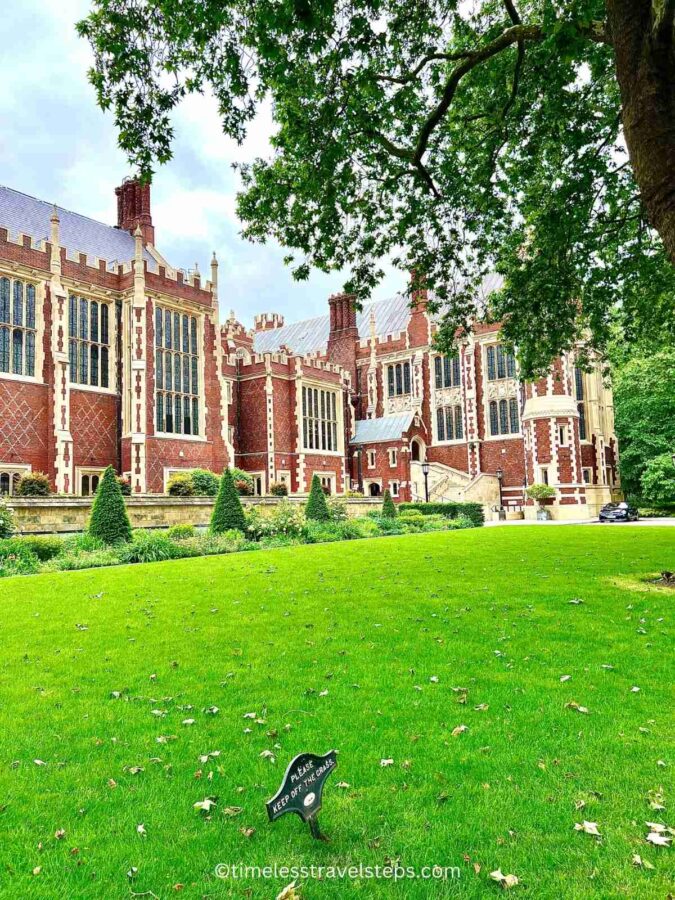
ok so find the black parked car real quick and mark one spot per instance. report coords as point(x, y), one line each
point(618, 512)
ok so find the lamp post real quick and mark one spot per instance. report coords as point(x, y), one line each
point(359, 469)
point(500, 478)
point(425, 472)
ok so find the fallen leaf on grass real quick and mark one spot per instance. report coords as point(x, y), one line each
point(588, 828)
point(576, 707)
point(247, 831)
point(506, 881)
point(460, 729)
point(59, 834)
point(641, 863)
point(386, 762)
point(658, 839)
point(290, 892)
point(205, 804)
point(232, 811)
point(564, 678)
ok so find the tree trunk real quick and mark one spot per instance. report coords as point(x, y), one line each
point(642, 35)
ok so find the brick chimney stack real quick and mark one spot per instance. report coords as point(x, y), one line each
point(133, 208)
point(343, 334)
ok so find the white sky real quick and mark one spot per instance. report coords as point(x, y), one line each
point(56, 144)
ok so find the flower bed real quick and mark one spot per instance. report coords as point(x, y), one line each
point(287, 525)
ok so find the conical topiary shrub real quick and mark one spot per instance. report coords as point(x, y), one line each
point(228, 513)
point(317, 508)
point(109, 520)
point(389, 510)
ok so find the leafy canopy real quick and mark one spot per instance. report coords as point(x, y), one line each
point(644, 411)
point(658, 480)
point(457, 139)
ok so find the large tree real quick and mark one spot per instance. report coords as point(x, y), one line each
point(531, 137)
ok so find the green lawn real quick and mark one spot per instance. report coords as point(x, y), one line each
point(370, 623)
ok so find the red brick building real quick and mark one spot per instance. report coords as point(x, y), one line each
point(109, 355)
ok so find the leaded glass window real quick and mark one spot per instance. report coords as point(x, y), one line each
point(500, 363)
point(176, 373)
point(447, 371)
point(398, 379)
point(89, 341)
point(17, 327)
point(319, 419)
point(449, 423)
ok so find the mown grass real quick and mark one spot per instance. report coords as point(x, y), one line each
point(371, 622)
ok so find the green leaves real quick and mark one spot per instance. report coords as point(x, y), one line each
point(454, 141)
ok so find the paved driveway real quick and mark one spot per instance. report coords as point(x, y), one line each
point(640, 523)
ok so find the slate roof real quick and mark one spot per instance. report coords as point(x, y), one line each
point(21, 213)
point(387, 428)
point(391, 317)
point(311, 335)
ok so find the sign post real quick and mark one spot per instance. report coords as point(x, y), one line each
point(302, 788)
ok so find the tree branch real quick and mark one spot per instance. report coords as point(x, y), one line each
point(513, 35)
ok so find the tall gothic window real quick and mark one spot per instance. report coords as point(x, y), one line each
point(319, 419)
point(447, 371)
point(504, 417)
point(398, 379)
point(89, 341)
point(581, 404)
point(500, 363)
point(449, 425)
point(17, 327)
point(176, 373)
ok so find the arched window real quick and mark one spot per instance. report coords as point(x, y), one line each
point(85, 485)
point(177, 373)
point(374, 489)
point(416, 451)
point(89, 333)
point(17, 327)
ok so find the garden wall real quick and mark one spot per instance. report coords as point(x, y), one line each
point(47, 515)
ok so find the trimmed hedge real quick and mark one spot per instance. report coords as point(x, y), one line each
point(228, 513)
point(317, 508)
point(473, 511)
point(109, 520)
point(34, 484)
point(388, 508)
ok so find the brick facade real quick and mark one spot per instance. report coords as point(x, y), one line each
point(356, 398)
